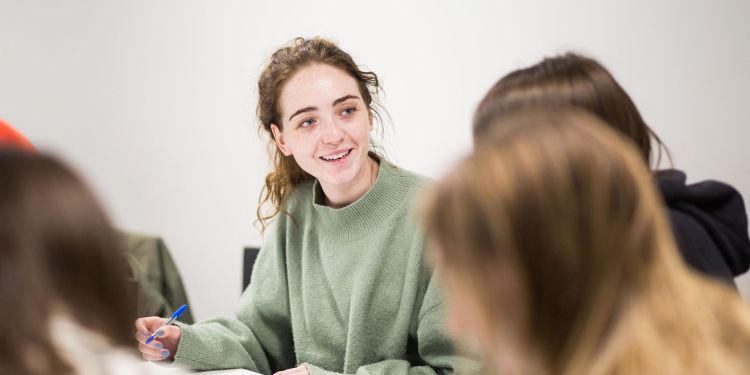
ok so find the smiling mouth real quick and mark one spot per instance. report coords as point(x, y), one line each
point(337, 156)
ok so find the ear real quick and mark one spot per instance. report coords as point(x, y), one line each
point(371, 120)
point(278, 136)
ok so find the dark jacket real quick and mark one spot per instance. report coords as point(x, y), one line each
point(709, 223)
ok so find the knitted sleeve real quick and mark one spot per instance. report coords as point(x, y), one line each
point(436, 352)
point(259, 336)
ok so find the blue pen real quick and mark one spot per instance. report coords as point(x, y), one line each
point(167, 322)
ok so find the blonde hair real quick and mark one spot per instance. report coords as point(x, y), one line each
point(568, 204)
point(285, 62)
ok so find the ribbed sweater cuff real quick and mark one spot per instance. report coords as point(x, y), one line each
point(191, 353)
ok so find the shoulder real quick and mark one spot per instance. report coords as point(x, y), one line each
point(301, 194)
point(295, 208)
point(404, 194)
point(697, 246)
point(674, 188)
point(413, 181)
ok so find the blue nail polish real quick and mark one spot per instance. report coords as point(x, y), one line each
point(158, 345)
point(159, 333)
point(165, 353)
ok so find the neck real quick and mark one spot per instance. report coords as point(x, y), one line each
point(337, 196)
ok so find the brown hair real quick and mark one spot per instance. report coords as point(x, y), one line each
point(285, 62)
point(58, 255)
point(568, 204)
point(569, 79)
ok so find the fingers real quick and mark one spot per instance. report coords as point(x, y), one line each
point(153, 351)
point(141, 336)
point(168, 333)
point(157, 349)
point(148, 324)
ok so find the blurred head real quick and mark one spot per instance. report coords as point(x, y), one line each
point(58, 256)
point(317, 108)
point(569, 79)
point(543, 232)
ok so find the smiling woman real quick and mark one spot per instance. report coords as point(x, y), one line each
point(329, 136)
point(316, 84)
point(339, 286)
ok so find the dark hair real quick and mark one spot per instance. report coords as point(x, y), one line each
point(58, 255)
point(285, 62)
point(569, 79)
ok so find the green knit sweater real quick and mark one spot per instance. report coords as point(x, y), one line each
point(342, 290)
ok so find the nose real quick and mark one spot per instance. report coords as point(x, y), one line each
point(331, 132)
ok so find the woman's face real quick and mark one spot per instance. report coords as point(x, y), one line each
point(325, 125)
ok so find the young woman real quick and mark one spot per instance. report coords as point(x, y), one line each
point(67, 299)
point(708, 218)
point(339, 286)
point(557, 254)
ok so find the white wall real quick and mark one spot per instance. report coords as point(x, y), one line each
point(154, 100)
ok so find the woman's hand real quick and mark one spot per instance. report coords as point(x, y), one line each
point(164, 345)
point(299, 370)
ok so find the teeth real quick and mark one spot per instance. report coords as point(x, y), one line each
point(336, 157)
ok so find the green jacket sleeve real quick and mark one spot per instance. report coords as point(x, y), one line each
point(258, 337)
point(160, 286)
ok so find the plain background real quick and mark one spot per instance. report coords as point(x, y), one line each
point(153, 101)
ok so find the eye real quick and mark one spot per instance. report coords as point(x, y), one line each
point(306, 123)
point(348, 111)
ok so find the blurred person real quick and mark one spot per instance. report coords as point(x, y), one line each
point(67, 298)
point(556, 254)
point(160, 285)
point(708, 218)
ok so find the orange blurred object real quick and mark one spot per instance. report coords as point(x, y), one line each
point(11, 137)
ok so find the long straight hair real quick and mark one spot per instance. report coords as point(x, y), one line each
point(58, 256)
point(569, 205)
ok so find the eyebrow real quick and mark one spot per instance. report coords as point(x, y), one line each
point(344, 98)
point(310, 109)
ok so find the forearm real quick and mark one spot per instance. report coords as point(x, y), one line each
point(220, 343)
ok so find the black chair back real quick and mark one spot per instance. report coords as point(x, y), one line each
point(249, 256)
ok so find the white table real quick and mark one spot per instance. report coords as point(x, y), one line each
point(236, 371)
